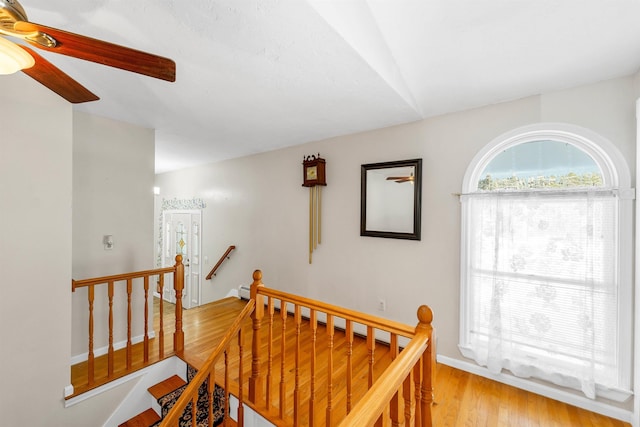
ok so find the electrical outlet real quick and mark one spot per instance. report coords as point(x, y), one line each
point(382, 305)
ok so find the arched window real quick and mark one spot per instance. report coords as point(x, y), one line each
point(546, 259)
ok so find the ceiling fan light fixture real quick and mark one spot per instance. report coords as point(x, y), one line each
point(13, 58)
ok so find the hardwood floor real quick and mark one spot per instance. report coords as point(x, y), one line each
point(462, 399)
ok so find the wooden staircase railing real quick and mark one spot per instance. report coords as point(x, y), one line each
point(415, 357)
point(224, 257)
point(322, 398)
point(111, 282)
point(207, 372)
point(401, 392)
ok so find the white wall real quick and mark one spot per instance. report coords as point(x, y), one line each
point(258, 204)
point(113, 174)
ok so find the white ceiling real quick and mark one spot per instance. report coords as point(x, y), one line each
point(256, 75)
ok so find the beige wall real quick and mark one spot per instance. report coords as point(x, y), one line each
point(36, 189)
point(113, 174)
point(35, 310)
point(258, 204)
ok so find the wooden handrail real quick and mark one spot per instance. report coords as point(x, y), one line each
point(110, 281)
point(75, 284)
point(356, 316)
point(220, 261)
point(190, 393)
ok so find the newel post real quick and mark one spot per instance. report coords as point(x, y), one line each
point(255, 380)
point(425, 317)
point(178, 286)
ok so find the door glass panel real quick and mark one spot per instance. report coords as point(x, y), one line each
point(181, 239)
point(195, 238)
point(168, 239)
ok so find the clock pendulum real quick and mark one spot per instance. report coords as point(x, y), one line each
point(314, 177)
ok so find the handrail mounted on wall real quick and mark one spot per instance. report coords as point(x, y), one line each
point(220, 261)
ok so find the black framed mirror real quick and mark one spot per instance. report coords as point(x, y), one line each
point(390, 199)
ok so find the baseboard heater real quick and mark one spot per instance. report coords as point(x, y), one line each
point(245, 292)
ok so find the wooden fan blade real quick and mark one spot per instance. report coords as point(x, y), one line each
point(55, 79)
point(102, 52)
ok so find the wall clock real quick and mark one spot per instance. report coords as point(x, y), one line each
point(314, 171)
point(314, 176)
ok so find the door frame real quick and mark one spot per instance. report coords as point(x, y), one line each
point(192, 294)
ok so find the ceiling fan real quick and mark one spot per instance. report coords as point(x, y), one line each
point(401, 179)
point(14, 22)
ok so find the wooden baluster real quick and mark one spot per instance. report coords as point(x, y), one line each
point(425, 317)
point(371, 349)
point(417, 380)
point(161, 331)
point(129, 348)
point(194, 410)
point(226, 386)
point(349, 340)
point(178, 285)
point(240, 381)
point(146, 319)
point(283, 388)
point(110, 351)
point(255, 380)
point(313, 325)
point(330, 334)
point(394, 405)
point(371, 344)
point(210, 388)
point(296, 388)
point(270, 311)
point(426, 391)
point(407, 396)
point(90, 358)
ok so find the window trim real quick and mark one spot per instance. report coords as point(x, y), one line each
point(616, 176)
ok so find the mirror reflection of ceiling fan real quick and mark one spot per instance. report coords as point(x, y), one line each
point(401, 179)
point(15, 57)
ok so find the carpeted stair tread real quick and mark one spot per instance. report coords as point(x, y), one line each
point(167, 394)
point(143, 419)
point(167, 386)
point(167, 401)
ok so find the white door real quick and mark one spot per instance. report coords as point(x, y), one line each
point(182, 235)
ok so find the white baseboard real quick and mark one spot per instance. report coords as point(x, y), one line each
point(541, 389)
point(101, 351)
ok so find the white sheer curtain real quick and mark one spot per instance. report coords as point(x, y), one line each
point(542, 286)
